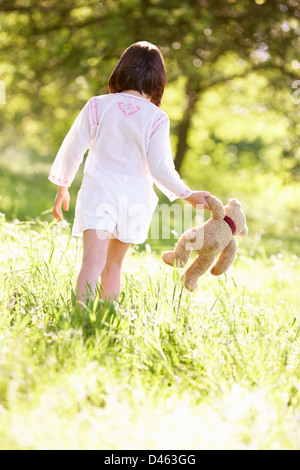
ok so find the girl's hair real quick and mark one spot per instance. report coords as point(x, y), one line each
point(141, 68)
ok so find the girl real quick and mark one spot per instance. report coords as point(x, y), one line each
point(128, 137)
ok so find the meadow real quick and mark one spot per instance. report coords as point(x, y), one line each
point(158, 369)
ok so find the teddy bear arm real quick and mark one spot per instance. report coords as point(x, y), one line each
point(216, 207)
point(225, 259)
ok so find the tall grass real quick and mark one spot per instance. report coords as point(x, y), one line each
point(158, 369)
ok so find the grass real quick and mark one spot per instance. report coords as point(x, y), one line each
point(159, 369)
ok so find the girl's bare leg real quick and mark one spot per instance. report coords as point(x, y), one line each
point(111, 274)
point(95, 245)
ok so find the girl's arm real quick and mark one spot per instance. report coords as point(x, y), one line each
point(70, 156)
point(162, 168)
point(72, 150)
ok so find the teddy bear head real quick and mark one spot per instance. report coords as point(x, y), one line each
point(235, 212)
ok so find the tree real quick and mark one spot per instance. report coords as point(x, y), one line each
point(52, 51)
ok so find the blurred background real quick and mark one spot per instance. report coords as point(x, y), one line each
point(233, 97)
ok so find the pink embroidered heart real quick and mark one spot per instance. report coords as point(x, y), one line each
point(128, 108)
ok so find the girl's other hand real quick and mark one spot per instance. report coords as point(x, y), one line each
point(62, 198)
point(198, 198)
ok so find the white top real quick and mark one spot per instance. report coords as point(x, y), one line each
point(126, 135)
point(129, 144)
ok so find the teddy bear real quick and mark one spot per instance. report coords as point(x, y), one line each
point(208, 240)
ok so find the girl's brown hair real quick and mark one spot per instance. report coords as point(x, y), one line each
point(141, 68)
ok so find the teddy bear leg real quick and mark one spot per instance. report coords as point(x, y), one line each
point(179, 256)
point(199, 266)
point(225, 259)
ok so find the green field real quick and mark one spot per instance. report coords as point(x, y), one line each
point(159, 369)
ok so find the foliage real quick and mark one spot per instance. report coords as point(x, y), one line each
point(53, 52)
point(228, 96)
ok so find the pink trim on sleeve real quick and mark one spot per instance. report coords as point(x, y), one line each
point(59, 181)
point(183, 195)
point(186, 193)
point(158, 123)
point(94, 111)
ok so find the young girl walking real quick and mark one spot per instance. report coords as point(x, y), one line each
point(128, 137)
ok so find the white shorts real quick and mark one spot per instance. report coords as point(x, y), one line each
point(123, 208)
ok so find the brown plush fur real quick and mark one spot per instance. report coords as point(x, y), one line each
point(210, 239)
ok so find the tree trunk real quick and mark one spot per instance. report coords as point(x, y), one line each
point(184, 126)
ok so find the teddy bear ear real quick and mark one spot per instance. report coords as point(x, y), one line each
point(235, 202)
point(244, 232)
